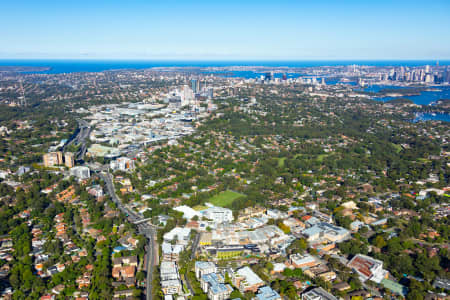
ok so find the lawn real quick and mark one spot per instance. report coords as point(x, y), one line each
point(424, 160)
point(320, 157)
point(281, 161)
point(225, 198)
point(397, 147)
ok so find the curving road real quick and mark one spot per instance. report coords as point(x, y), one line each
point(80, 139)
point(144, 228)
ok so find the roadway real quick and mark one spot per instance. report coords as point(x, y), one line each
point(195, 245)
point(84, 130)
point(193, 255)
point(146, 229)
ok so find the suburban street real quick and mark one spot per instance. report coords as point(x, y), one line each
point(144, 228)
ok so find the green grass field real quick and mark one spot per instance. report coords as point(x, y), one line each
point(281, 161)
point(225, 198)
point(397, 147)
point(320, 157)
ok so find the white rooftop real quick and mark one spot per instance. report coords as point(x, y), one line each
point(182, 234)
point(250, 276)
point(188, 212)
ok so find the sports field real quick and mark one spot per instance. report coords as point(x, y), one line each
point(225, 198)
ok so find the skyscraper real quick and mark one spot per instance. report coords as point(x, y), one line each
point(210, 93)
point(195, 86)
point(447, 75)
point(187, 96)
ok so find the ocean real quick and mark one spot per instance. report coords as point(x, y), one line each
point(70, 66)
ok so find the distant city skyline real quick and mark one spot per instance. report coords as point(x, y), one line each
point(228, 30)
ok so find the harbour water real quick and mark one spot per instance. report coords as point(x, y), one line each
point(431, 95)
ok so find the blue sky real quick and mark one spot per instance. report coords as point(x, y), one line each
point(226, 30)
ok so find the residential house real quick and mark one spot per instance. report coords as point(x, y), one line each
point(124, 294)
point(303, 261)
point(318, 293)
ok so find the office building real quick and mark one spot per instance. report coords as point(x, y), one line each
point(326, 232)
point(122, 164)
point(80, 172)
point(178, 235)
point(303, 261)
point(218, 214)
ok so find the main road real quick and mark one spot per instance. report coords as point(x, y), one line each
point(80, 139)
point(144, 228)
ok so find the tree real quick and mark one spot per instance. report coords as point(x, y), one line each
point(414, 295)
point(364, 230)
point(236, 294)
point(27, 278)
point(269, 266)
point(355, 283)
point(394, 246)
point(140, 276)
point(137, 293)
point(284, 227)
point(380, 242)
